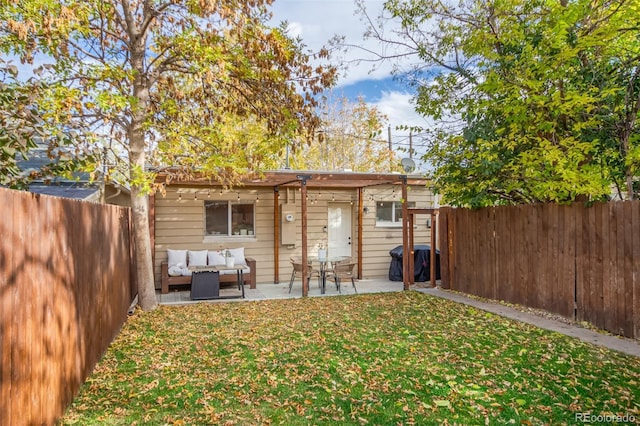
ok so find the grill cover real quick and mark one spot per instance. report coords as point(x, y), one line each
point(421, 263)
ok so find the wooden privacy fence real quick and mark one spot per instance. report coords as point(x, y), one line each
point(65, 288)
point(577, 261)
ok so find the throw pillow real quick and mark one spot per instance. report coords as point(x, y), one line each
point(177, 258)
point(238, 255)
point(198, 258)
point(215, 258)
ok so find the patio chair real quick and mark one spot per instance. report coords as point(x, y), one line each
point(343, 271)
point(296, 262)
point(338, 262)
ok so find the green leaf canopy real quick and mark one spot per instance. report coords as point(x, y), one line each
point(544, 96)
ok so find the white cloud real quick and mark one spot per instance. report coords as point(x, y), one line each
point(399, 108)
point(295, 29)
point(318, 21)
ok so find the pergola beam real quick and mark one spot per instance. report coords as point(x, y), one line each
point(405, 238)
point(316, 179)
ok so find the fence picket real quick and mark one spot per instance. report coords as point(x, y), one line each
point(579, 261)
point(65, 289)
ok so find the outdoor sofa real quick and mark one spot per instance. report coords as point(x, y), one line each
point(175, 270)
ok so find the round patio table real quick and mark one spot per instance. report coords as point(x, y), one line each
point(323, 262)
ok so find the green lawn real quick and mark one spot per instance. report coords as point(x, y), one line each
point(378, 359)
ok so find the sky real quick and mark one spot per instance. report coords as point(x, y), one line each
point(317, 21)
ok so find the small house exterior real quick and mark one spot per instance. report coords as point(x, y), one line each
point(350, 214)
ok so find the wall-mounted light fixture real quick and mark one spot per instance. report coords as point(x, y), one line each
point(365, 210)
point(429, 223)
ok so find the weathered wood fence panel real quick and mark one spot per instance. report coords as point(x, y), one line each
point(576, 261)
point(65, 289)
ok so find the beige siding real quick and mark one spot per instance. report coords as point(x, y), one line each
point(378, 241)
point(179, 224)
point(317, 218)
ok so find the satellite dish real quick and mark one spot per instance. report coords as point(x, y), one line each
point(408, 164)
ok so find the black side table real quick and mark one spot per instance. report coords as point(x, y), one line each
point(205, 285)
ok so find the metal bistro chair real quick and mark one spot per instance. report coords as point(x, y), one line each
point(330, 274)
point(296, 262)
point(338, 262)
point(343, 271)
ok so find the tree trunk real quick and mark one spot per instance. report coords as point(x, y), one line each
point(137, 160)
point(630, 193)
point(140, 211)
point(144, 268)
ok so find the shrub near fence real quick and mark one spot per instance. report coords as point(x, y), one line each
point(65, 289)
point(577, 261)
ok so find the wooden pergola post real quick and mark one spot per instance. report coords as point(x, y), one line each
point(303, 202)
point(411, 252)
point(360, 227)
point(432, 253)
point(276, 234)
point(405, 235)
point(432, 260)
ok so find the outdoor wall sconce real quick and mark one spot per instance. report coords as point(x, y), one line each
point(365, 210)
point(428, 223)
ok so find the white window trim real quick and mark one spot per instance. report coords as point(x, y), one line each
point(387, 223)
point(229, 239)
point(212, 238)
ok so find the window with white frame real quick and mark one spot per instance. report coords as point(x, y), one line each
point(389, 213)
point(229, 218)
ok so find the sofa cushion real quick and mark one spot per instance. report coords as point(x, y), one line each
point(197, 258)
point(238, 255)
point(245, 270)
point(177, 258)
point(215, 258)
point(175, 271)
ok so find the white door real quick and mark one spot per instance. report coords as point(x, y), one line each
point(339, 229)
